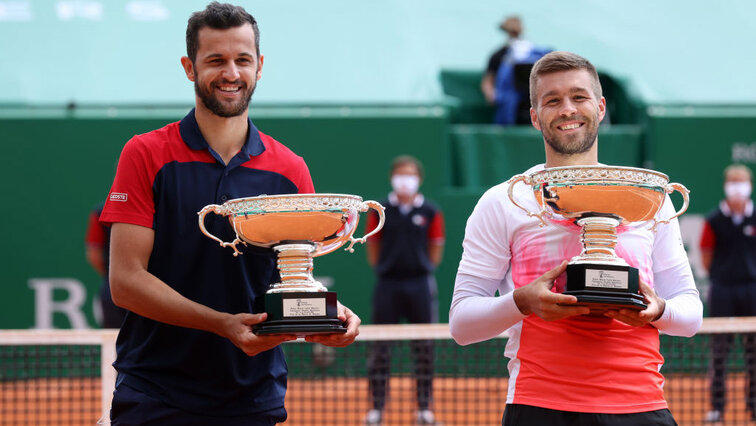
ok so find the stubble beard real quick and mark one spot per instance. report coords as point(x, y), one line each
point(219, 108)
point(573, 144)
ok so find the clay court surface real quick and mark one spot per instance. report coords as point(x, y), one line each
point(344, 401)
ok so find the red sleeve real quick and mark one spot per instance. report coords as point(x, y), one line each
point(372, 222)
point(95, 235)
point(436, 231)
point(304, 183)
point(131, 199)
point(708, 239)
point(278, 158)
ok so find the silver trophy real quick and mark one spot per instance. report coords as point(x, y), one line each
point(599, 199)
point(297, 227)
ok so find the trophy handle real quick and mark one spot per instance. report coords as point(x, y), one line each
point(381, 218)
point(670, 188)
point(525, 179)
point(217, 210)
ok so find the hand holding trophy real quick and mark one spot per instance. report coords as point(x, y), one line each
point(599, 199)
point(297, 227)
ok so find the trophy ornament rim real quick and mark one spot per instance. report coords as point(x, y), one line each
point(558, 191)
point(599, 173)
point(282, 203)
point(327, 220)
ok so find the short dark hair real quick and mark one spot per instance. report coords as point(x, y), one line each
point(407, 159)
point(219, 16)
point(562, 61)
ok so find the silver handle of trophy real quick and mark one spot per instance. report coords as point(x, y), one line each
point(526, 180)
point(217, 210)
point(670, 188)
point(381, 219)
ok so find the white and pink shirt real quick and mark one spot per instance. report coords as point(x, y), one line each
point(582, 363)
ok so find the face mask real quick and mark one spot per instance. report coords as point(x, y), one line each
point(737, 190)
point(405, 184)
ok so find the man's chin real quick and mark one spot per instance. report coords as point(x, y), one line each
point(227, 111)
point(570, 147)
point(229, 114)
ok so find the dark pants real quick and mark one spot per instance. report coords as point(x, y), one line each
point(526, 415)
point(412, 300)
point(379, 370)
point(133, 408)
point(731, 301)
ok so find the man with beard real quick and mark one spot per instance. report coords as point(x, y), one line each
point(186, 352)
point(567, 367)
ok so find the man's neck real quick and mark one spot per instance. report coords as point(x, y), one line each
point(406, 199)
point(737, 207)
point(225, 135)
point(554, 159)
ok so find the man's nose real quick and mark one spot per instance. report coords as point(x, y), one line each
point(231, 72)
point(568, 108)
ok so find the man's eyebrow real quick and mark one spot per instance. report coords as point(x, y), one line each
point(571, 90)
point(220, 55)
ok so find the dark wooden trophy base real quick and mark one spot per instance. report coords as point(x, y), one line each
point(300, 313)
point(604, 287)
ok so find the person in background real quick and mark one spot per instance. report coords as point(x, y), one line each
point(728, 252)
point(186, 353)
point(512, 26)
point(567, 367)
point(404, 255)
point(97, 251)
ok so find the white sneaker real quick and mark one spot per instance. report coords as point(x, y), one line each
point(713, 416)
point(426, 417)
point(373, 417)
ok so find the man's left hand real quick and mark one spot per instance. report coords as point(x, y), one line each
point(635, 318)
point(352, 323)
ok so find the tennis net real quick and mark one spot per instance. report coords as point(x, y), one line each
point(64, 377)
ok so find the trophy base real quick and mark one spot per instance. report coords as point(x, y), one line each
point(600, 302)
point(604, 287)
point(300, 313)
point(299, 327)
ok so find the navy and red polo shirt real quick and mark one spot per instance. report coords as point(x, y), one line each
point(405, 238)
point(733, 244)
point(164, 178)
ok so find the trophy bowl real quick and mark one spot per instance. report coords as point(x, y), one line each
point(599, 199)
point(297, 227)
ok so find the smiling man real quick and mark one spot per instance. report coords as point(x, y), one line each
point(186, 350)
point(566, 367)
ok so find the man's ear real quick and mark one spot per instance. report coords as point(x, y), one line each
point(259, 67)
point(534, 118)
point(188, 67)
point(602, 108)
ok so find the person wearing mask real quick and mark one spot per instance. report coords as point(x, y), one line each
point(728, 252)
point(404, 255)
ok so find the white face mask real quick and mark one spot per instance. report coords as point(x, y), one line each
point(406, 185)
point(737, 191)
